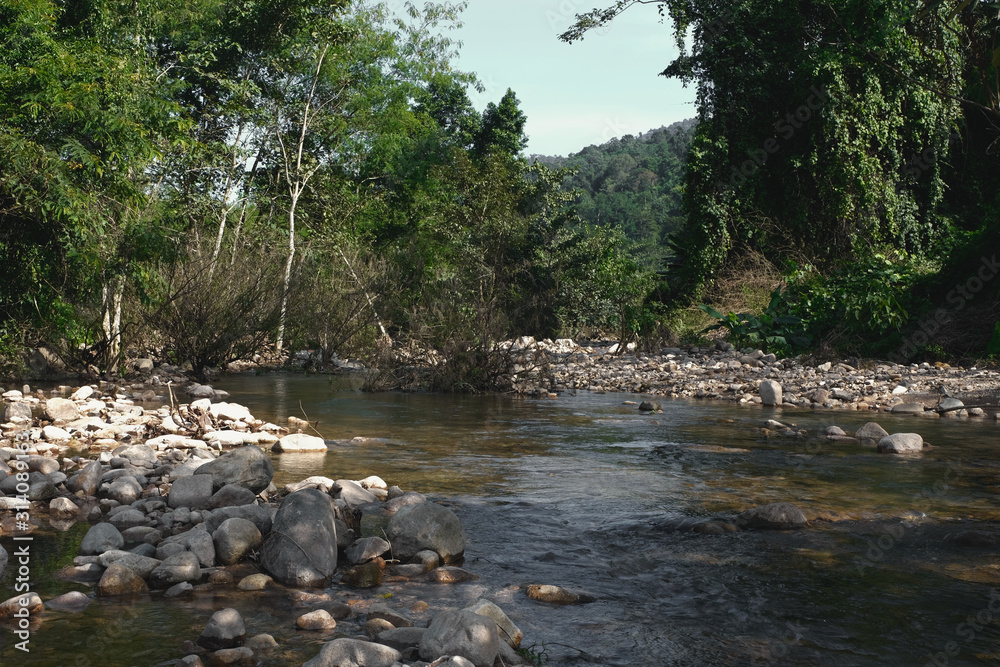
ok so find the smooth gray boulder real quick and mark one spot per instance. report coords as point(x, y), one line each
point(175, 569)
point(463, 633)
point(426, 526)
point(100, 538)
point(137, 455)
point(901, 443)
point(231, 495)
point(871, 431)
point(119, 579)
point(776, 516)
point(129, 518)
point(301, 549)
point(142, 566)
point(908, 408)
point(234, 539)
point(508, 632)
point(193, 492)
point(125, 490)
point(354, 494)
point(248, 467)
point(224, 630)
point(770, 392)
point(354, 653)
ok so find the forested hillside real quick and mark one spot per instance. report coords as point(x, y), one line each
point(848, 150)
point(633, 183)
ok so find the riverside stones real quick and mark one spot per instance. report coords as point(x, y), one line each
point(319, 621)
point(463, 633)
point(119, 579)
point(193, 492)
point(61, 409)
point(301, 549)
point(175, 569)
point(770, 392)
point(426, 526)
point(100, 538)
point(776, 516)
point(558, 594)
point(901, 443)
point(871, 431)
point(509, 632)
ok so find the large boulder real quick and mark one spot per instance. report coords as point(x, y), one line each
point(901, 443)
point(193, 492)
point(234, 539)
point(770, 392)
point(197, 541)
point(509, 632)
point(301, 549)
point(423, 526)
point(248, 467)
point(260, 515)
point(354, 653)
point(776, 516)
point(119, 579)
point(17, 412)
point(175, 569)
point(100, 538)
point(463, 633)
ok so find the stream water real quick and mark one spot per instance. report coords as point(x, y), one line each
point(586, 492)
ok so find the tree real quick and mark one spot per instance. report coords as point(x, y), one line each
point(502, 128)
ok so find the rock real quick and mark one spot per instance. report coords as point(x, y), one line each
point(63, 508)
point(871, 431)
point(776, 516)
point(223, 439)
point(83, 393)
point(17, 412)
point(451, 575)
point(224, 630)
point(125, 490)
point(901, 443)
point(365, 549)
point(175, 569)
point(100, 538)
point(140, 565)
point(770, 392)
point(231, 495)
point(818, 396)
point(144, 365)
point(197, 541)
point(129, 518)
point(398, 638)
point(73, 602)
point(391, 616)
point(408, 498)
point(61, 409)
point(558, 594)
point(55, 434)
point(345, 652)
point(649, 406)
point(426, 526)
point(824, 367)
point(260, 515)
point(254, 582)
point(261, 642)
point(463, 633)
point(319, 620)
point(354, 494)
point(196, 390)
point(119, 579)
point(248, 467)
point(137, 455)
point(908, 408)
point(193, 492)
point(3, 560)
point(508, 632)
point(234, 539)
point(233, 657)
point(835, 431)
point(300, 442)
point(87, 480)
point(366, 575)
point(301, 549)
point(12, 606)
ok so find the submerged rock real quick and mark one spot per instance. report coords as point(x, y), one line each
point(415, 528)
point(776, 516)
point(901, 443)
point(463, 633)
point(558, 594)
point(224, 630)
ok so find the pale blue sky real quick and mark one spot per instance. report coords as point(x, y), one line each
point(579, 94)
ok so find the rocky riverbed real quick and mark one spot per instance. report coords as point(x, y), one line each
point(722, 373)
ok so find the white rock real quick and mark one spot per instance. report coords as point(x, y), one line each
point(300, 442)
point(55, 434)
point(901, 443)
point(225, 438)
point(83, 393)
point(230, 411)
point(770, 392)
point(899, 389)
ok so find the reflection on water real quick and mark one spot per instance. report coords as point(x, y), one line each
point(586, 492)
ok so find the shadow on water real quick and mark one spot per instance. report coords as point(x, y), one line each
point(585, 492)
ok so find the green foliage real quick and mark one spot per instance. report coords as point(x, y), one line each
point(993, 347)
point(534, 655)
point(774, 330)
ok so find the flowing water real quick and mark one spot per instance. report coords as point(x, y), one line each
point(586, 492)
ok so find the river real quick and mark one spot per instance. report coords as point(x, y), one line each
point(584, 491)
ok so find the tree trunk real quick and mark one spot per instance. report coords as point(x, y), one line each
point(288, 275)
point(111, 305)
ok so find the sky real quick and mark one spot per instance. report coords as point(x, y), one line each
point(579, 94)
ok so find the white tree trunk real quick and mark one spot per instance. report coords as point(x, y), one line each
point(112, 319)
